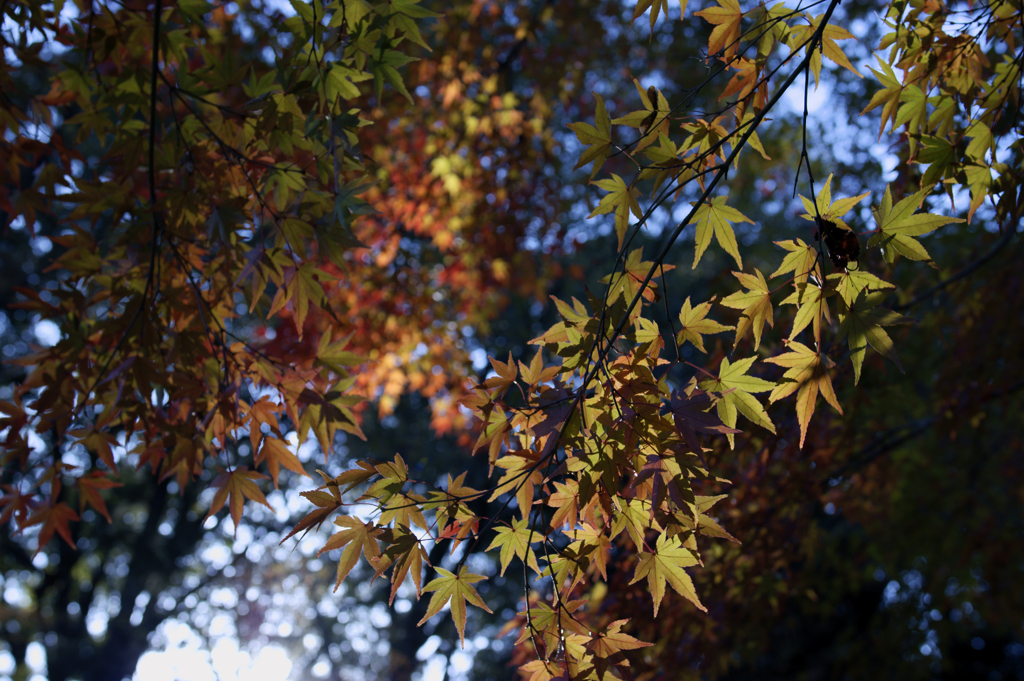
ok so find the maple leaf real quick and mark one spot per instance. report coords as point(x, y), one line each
point(940, 156)
point(756, 303)
point(754, 140)
point(552, 623)
point(813, 306)
point(406, 553)
point(666, 564)
point(888, 97)
point(507, 374)
point(518, 477)
point(515, 541)
point(494, 430)
point(100, 442)
point(736, 389)
point(802, 261)
point(665, 475)
point(326, 504)
point(235, 487)
point(565, 500)
point(597, 139)
point(351, 478)
point(334, 355)
point(626, 284)
point(356, 537)
point(850, 284)
point(542, 670)
point(705, 524)
point(458, 590)
point(694, 324)
point(565, 570)
point(716, 217)
point(656, 7)
point(277, 453)
point(913, 113)
point(979, 179)
point(52, 518)
point(393, 477)
point(403, 509)
point(806, 375)
point(621, 198)
point(863, 323)
point(801, 34)
point(88, 489)
point(747, 72)
point(635, 519)
point(262, 411)
point(647, 331)
point(981, 142)
point(304, 285)
point(691, 415)
point(15, 505)
point(726, 19)
point(450, 505)
point(592, 546)
point(829, 210)
point(651, 122)
point(898, 225)
point(536, 374)
point(612, 641)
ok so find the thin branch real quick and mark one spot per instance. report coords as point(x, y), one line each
point(810, 46)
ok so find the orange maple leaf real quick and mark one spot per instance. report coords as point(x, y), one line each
point(726, 19)
point(235, 487)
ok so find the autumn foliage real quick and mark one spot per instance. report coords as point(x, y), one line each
point(255, 244)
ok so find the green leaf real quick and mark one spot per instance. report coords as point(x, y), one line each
point(666, 565)
point(756, 303)
point(736, 388)
point(334, 356)
point(598, 139)
point(807, 375)
point(898, 225)
point(849, 284)
point(831, 210)
point(355, 536)
point(913, 113)
point(455, 589)
point(862, 322)
point(411, 8)
point(981, 141)
point(515, 541)
point(801, 261)
point(695, 324)
point(829, 47)
point(621, 198)
point(813, 302)
point(888, 97)
point(940, 155)
point(717, 217)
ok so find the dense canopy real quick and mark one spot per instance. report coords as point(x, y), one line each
point(669, 341)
